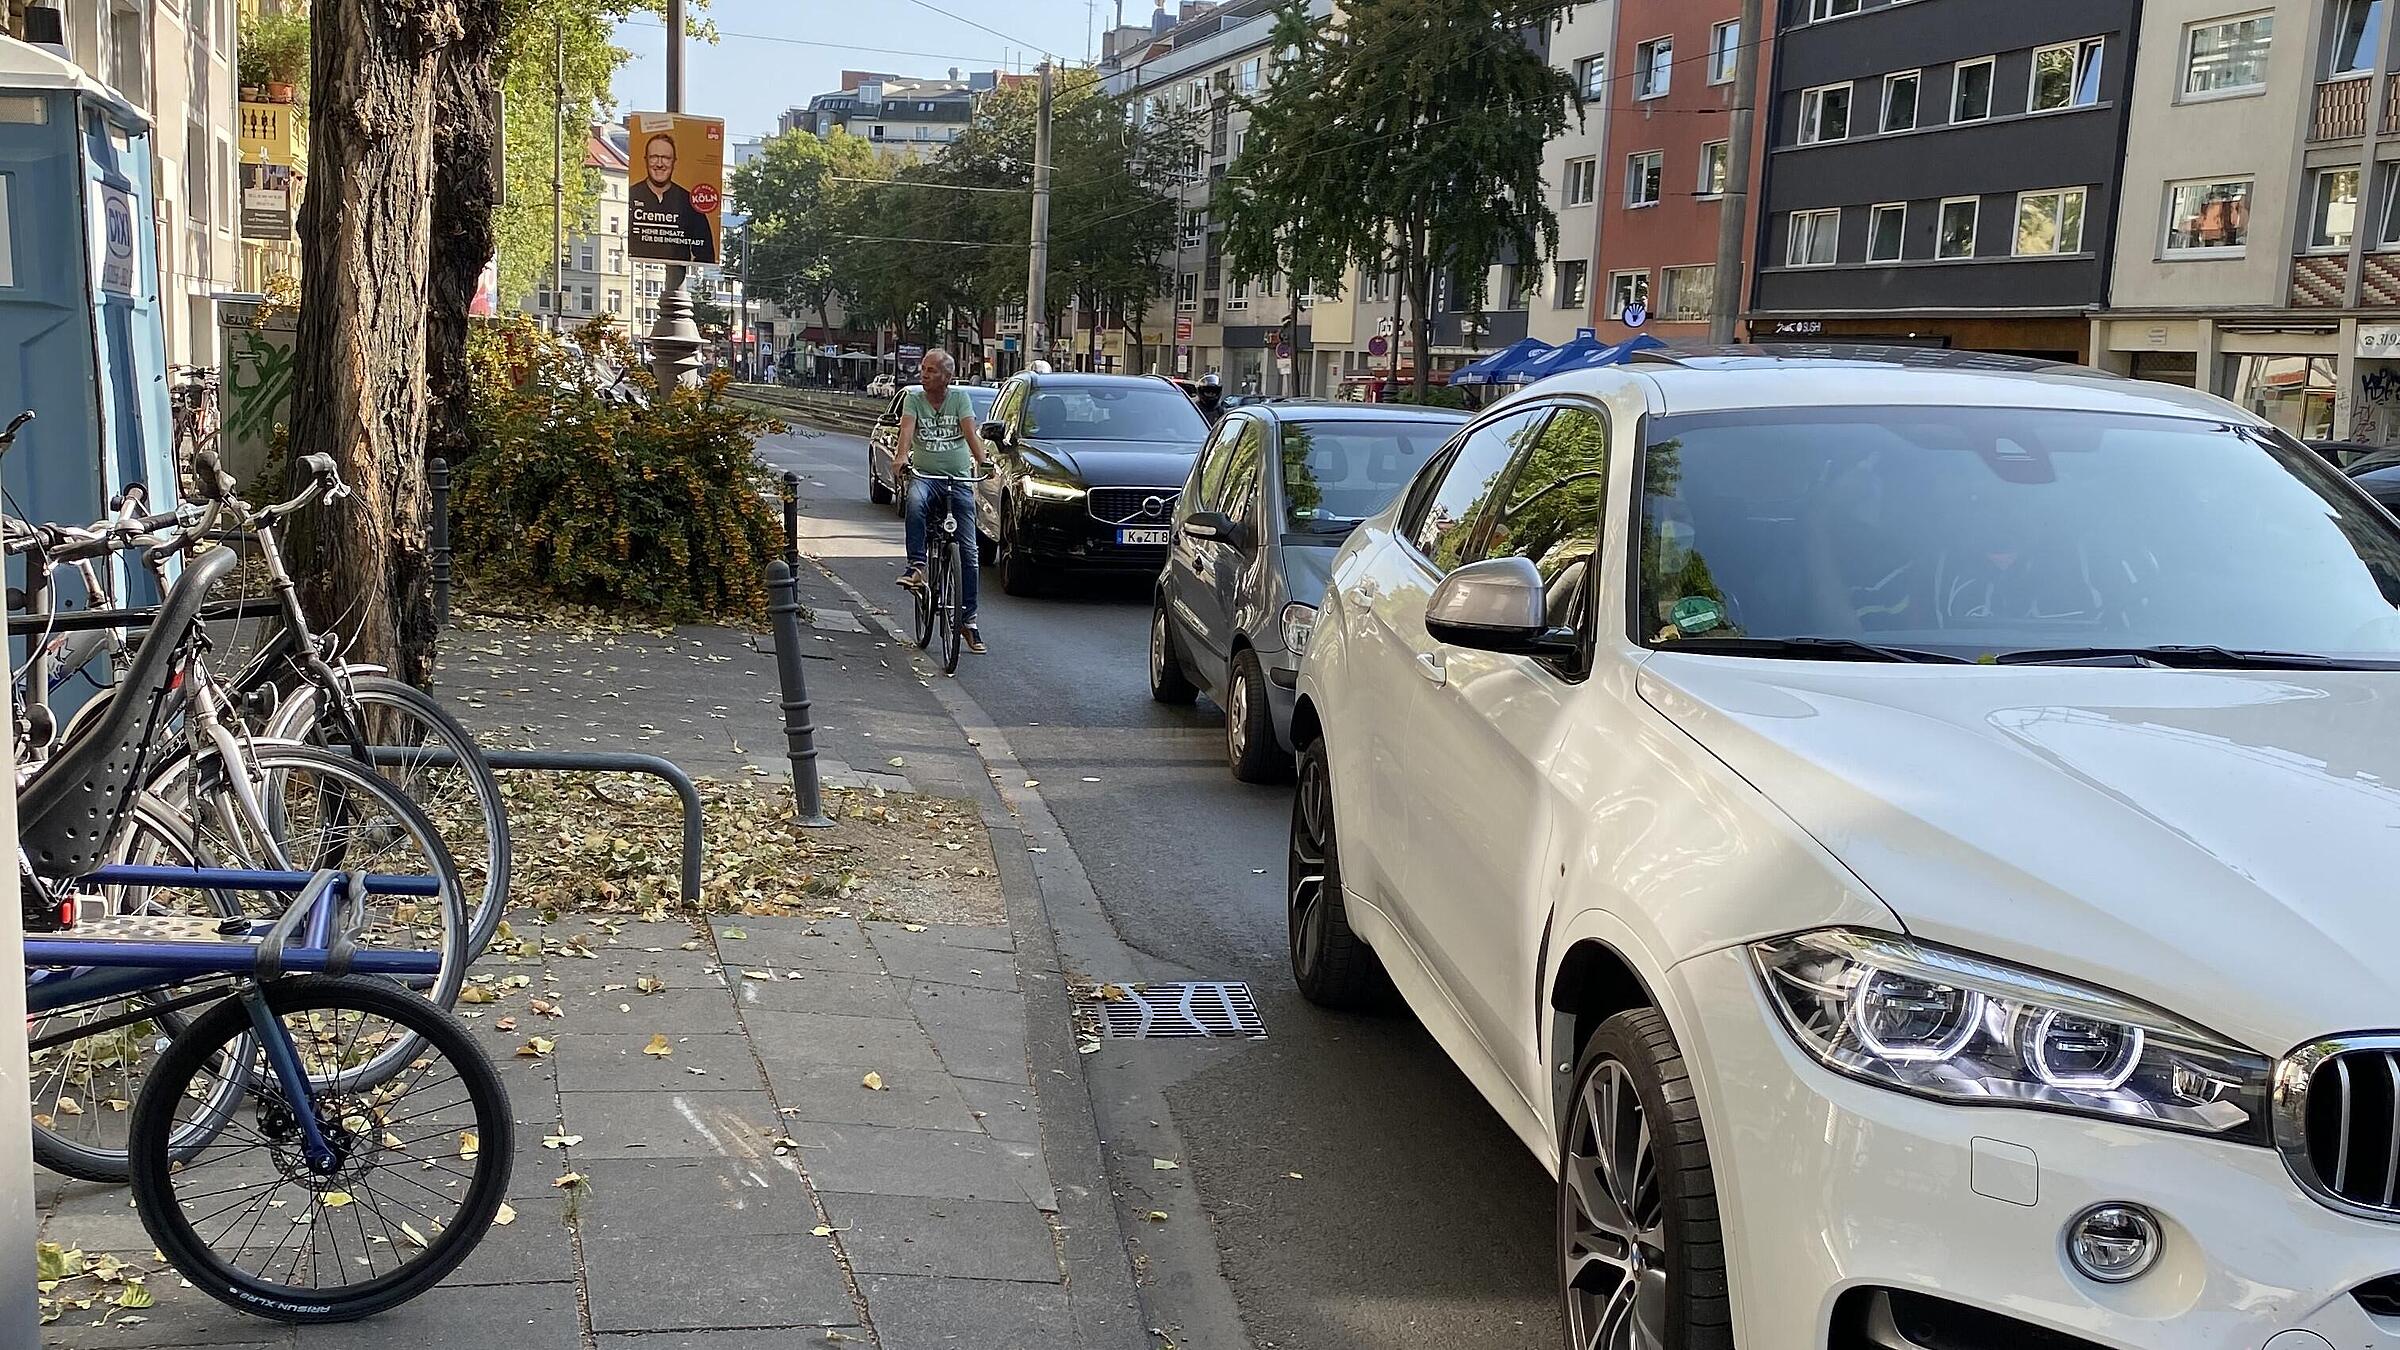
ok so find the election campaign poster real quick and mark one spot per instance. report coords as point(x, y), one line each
point(677, 189)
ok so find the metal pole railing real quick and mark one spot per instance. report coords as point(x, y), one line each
point(799, 729)
point(437, 474)
point(791, 520)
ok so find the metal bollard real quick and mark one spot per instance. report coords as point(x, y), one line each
point(799, 729)
point(791, 519)
point(437, 474)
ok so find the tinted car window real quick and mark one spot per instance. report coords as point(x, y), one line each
point(1338, 473)
point(1214, 462)
point(1981, 531)
point(1553, 511)
point(1242, 471)
point(1128, 412)
point(1445, 529)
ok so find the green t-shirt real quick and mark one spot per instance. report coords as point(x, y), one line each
point(940, 446)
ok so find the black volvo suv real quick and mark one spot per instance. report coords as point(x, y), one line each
point(1088, 470)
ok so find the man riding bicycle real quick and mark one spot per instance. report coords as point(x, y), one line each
point(940, 449)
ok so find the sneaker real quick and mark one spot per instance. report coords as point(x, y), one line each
point(971, 639)
point(913, 579)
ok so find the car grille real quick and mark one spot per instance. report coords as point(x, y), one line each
point(1133, 505)
point(2338, 1122)
point(2381, 1298)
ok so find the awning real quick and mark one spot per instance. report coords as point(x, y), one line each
point(1493, 369)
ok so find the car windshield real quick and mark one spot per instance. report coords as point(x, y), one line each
point(1989, 533)
point(1337, 473)
point(1144, 411)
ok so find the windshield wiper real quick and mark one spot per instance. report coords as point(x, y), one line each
point(1810, 649)
point(2187, 656)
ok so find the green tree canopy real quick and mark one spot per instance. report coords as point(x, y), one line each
point(801, 198)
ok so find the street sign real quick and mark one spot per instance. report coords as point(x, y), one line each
point(1183, 330)
point(910, 351)
point(1378, 345)
point(1636, 315)
point(1008, 344)
point(1591, 333)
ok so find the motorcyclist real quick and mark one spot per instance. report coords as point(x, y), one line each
point(1211, 398)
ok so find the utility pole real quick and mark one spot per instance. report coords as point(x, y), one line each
point(749, 336)
point(558, 186)
point(1037, 278)
point(674, 339)
point(1734, 206)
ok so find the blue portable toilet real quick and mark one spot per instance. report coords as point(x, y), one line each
point(80, 298)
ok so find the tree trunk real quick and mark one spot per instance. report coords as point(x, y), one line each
point(466, 191)
point(358, 390)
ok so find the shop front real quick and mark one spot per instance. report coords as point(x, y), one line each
point(2048, 338)
point(2319, 378)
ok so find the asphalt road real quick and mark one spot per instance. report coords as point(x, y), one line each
point(1416, 1219)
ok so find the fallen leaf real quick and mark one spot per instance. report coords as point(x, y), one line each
point(912, 928)
point(412, 1234)
point(54, 1262)
point(822, 1230)
point(506, 1024)
point(546, 1008)
point(1156, 1216)
point(1295, 1176)
point(658, 1046)
point(1165, 1165)
point(505, 1215)
point(873, 1082)
point(569, 1180)
point(68, 1106)
point(649, 984)
point(536, 1047)
point(758, 974)
point(334, 1199)
point(469, 1143)
point(476, 993)
point(561, 1140)
point(136, 1295)
point(896, 762)
point(736, 934)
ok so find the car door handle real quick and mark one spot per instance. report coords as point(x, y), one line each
point(1364, 592)
point(1431, 666)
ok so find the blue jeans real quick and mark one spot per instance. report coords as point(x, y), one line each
point(958, 499)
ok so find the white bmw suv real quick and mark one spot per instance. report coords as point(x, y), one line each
point(1901, 835)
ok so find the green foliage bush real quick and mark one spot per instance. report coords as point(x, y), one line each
point(1436, 396)
point(661, 510)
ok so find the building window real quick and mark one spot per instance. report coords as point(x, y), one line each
point(1642, 177)
point(2050, 222)
point(2387, 210)
point(1656, 60)
point(1239, 296)
point(1821, 10)
point(2067, 75)
point(1687, 293)
point(1971, 91)
point(1591, 76)
point(1957, 239)
point(1713, 157)
point(2296, 393)
point(1574, 277)
point(1900, 101)
point(1724, 51)
point(2333, 209)
point(1887, 232)
point(1195, 223)
point(2227, 57)
point(2354, 37)
point(1815, 239)
point(1824, 114)
point(1187, 290)
point(1626, 289)
point(1241, 137)
point(2208, 217)
point(1583, 178)
point(1249, 75)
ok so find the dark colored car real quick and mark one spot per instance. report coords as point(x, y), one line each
point(1270, 500)
point(2381, 479)
point(882, 487)
point(1086, 472)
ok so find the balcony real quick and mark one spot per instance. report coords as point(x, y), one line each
point(2341, 109)
point(275, 133)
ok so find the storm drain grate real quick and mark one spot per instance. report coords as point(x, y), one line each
point(1177, 1010)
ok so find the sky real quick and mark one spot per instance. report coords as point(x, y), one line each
point(776, 54)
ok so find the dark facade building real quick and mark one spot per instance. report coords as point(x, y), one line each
point(1944, 172)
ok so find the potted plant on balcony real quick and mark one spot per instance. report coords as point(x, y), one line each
point(273, 54)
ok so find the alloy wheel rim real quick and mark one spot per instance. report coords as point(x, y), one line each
point(1237, 717)
point(1158, 648)
point(1613, 1217)
point(1311, 849)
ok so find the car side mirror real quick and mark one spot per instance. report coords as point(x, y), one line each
point(1497, 605)
point(995, 433)
point(1214, 525)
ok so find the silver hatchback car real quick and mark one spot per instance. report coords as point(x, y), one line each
point(1274, 493)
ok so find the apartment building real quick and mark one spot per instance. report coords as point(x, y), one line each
point(907, 118)
point(2260, 258)
point(597, 277)
point(1582, 46)
point(1661, 179)
point(1943, 172)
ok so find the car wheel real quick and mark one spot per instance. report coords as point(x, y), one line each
point(1641, 1253)
point(877, 491)
point(1167, 681)
point(1250, 748)
point(1015, 569)
point(1333, 966)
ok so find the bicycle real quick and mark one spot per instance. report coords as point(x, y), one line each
point(938, 598)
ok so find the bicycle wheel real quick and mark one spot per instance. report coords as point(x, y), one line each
point(310, 809)
point(947, 617)
point(87, 1063)
point(419, 1164)
point(926, 602)
point(462, 797)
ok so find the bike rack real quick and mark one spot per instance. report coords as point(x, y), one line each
point(584, 761)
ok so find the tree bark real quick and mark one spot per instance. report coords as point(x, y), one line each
point(359, 384)
point(465, 193)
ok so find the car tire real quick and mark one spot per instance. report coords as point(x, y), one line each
point(1250, 747)
point(1333, 966)
point(1016, 570)
point(1168, 684)
point(1656, 1250)
point(877, 492)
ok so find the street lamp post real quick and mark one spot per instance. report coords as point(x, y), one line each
point(674, 338)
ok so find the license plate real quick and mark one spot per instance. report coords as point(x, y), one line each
point(1135, 537)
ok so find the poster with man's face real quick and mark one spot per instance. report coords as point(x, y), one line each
point(678, 170)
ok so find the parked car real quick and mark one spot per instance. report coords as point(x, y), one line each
point(1086, 472)
point(883, 385)
point(882, 487)
point(1267, 504)
point(1903, 845)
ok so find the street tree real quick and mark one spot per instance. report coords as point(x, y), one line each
point(801, 195)
point(1409, 133)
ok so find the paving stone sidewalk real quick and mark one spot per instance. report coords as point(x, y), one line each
point(748, 1190)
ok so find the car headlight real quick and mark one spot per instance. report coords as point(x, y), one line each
point(1050, 489)
point(1299, 621)
point(1963, 1029)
